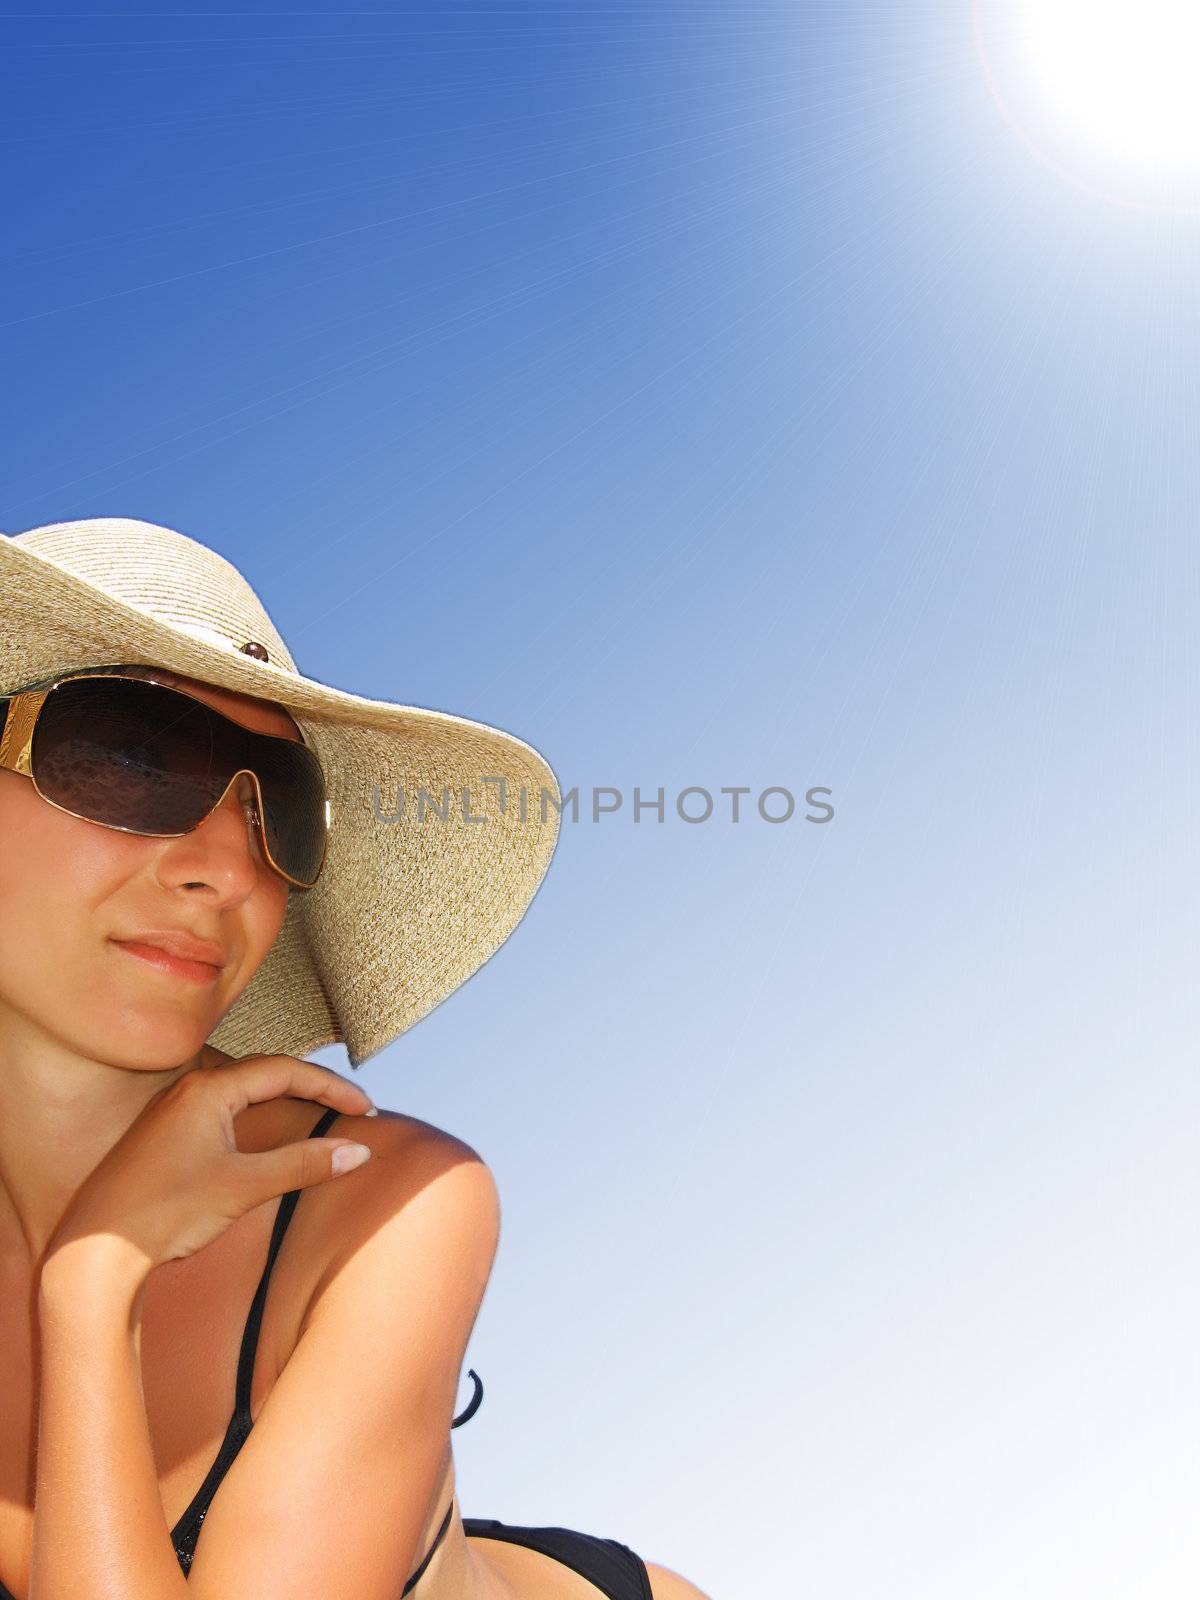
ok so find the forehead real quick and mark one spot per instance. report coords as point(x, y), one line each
point(261, 716)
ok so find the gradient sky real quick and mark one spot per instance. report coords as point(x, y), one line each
point(715, 395)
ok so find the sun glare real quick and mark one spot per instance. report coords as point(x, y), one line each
point(1122, 75)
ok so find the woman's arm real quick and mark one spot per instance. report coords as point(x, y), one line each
point(329, 1493)
point(98, 1526)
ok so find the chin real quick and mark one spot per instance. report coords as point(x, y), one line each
point(149, 1044)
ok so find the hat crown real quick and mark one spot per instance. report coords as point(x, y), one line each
point(168, 576)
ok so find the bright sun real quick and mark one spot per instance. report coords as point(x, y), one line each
point(1125, 75)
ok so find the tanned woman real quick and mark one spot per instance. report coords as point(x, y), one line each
point(236, 1295)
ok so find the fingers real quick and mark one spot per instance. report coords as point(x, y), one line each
point(301, 1165)
point(257, 1078)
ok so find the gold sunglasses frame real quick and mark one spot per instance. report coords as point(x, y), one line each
point(16, 744)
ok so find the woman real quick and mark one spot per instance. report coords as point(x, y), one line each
point(198, 884)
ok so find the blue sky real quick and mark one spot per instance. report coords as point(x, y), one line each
point(715, 396)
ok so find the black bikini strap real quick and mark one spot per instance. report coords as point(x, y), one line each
point(441, 1533)
point(438, 1537)
point(287, 1205)
point(473, 1407)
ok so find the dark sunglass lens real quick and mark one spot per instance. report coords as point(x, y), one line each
point(143, 757)
point(129, 754)
point(293, 790)
point(293, 793)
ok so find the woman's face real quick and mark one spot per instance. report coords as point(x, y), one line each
point(70, 889)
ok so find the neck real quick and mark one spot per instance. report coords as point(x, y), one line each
point(60, 1115)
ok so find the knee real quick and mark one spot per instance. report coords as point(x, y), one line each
point(668, 1585)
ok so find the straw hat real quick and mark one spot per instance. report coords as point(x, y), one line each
point(404, 911)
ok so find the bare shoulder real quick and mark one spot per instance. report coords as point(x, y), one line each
point(425, 1199)
point(406, 1155)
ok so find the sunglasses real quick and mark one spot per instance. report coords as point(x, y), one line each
point(142, 757)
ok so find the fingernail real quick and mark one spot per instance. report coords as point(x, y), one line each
point(348, 1156)
point(374, 1112)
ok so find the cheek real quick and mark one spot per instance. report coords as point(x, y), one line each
point(262, 917)
point(48, 858)
point(51, 878)
point(69, 862)
point(60, 883)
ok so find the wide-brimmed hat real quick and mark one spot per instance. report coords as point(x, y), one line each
point(404, 910)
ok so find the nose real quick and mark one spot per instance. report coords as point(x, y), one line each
point(224, 850)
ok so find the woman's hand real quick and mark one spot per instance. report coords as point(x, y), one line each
point(176, 1179)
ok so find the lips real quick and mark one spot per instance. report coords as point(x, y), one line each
point(175, 942)
point(176, 954)
point(171, 966)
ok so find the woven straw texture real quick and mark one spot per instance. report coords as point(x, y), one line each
point(404, 911)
